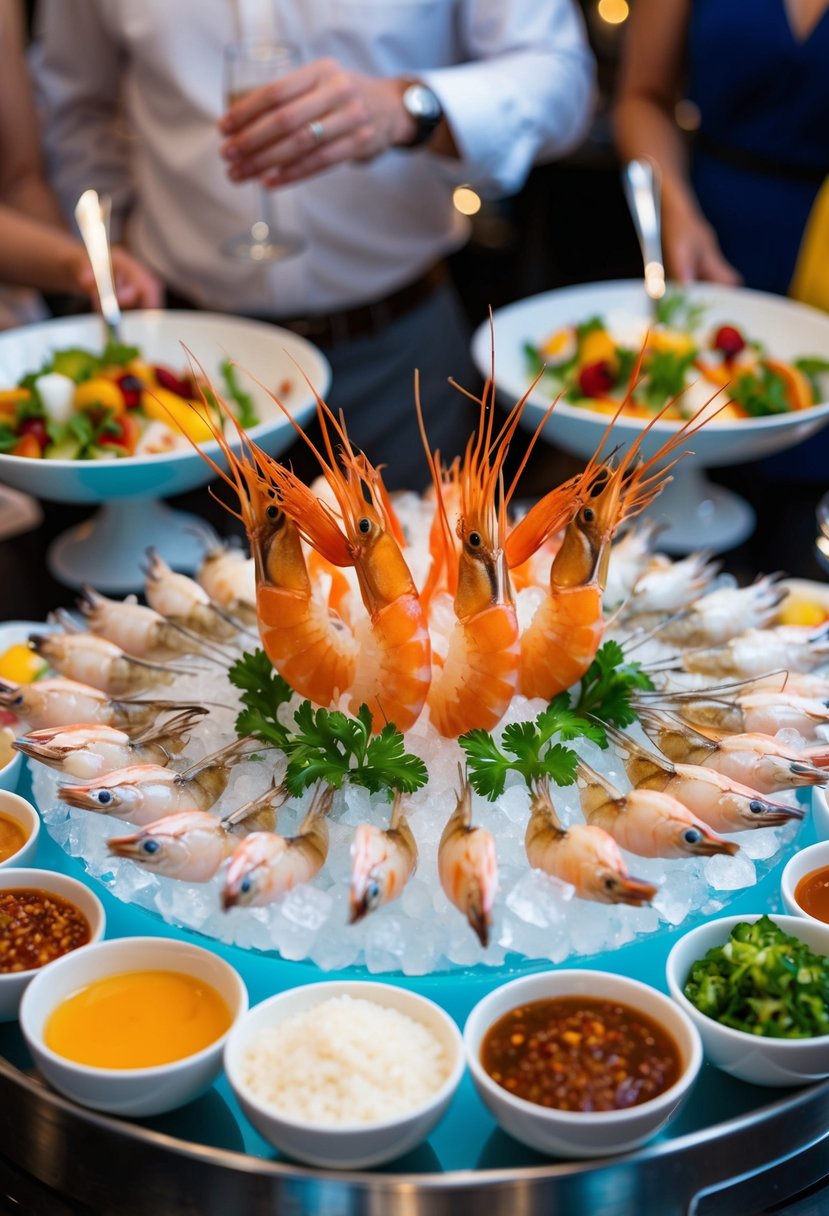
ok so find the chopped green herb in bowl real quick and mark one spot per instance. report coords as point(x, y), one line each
point(757, 989)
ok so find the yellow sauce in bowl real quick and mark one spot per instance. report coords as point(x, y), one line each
point(137, 1019)
point(12, 837)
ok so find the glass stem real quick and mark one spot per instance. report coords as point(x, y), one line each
point(263, 227)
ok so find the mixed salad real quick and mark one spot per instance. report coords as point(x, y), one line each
point(84, 406)
point(593, 364)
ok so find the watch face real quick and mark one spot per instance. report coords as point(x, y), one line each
point(421, 102)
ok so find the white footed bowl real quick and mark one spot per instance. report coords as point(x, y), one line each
point(356, 1145)
point(750, 1057)
point(13, 984)
point(567, 1133)
point(129, 1091)
point(23, 813)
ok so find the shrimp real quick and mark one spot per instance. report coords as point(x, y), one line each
point(480, 673)
point(93, 660)
point(561, 641)
point(725, 805)
point(229, 578)
point(759, 651)
point(86, 750)
point(755, 760)
point(468, 867)
point(181, 600)
point(192, 845)
point(61, 702)
point(631, 557)
point(382, 862)
point(139, 631)
point(265, 866)
point(586, 857)
point(713, 619)
point(646, 822)
point(307, 644)
point(666, 586)
point(393, 661)
point(143, 793)
point(764, 713)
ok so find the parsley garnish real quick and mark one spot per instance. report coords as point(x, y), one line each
point(675, 311)
point(527, 748)
point(761, 394)
point(608, 685)
point(812, 369)
point(327, 745)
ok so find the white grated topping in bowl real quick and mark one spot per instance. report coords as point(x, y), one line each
point(345, 1061)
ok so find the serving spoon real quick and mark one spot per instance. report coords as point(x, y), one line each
point(642, 187)
point(92, 215)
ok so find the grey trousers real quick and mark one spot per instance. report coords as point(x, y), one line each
point(373, 384)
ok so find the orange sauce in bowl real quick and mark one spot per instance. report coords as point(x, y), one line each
point(12, 837)
point(137, 1019)
point(812, 893)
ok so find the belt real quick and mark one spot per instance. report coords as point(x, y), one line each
point(331, 329)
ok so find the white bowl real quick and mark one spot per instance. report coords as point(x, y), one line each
point(694, 510)
point(820, 812)
point(10, 771)
point(133, 1091)
point(577, 1133)
point(23, 813)
point(266, 351)
point(107, 550)
point(356, 1145)
point(13, 984)
point(750, 1057)
point(813, 857)
point(789, 330)
point(11, 634)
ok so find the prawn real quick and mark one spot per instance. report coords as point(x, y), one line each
point(192, 845)
point(265, 866)
point(468, 867)
point(645, 821)
point(714, 618)
point(86, 750)
point(755, 760)
point(382, 862)
point(229, 578)
point(139, 630)
point(725, 805)
point(480, 673)
point(759, 651)
point(181, 600)
point(566, 630)
point(143, 793)
point(61, 702)
point(584, 856)
point(95, 661)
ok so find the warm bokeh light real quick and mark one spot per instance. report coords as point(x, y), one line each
point(614, 12)
point(466, 200)
point(687, 115)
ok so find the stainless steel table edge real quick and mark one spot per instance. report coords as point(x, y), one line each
point(121, 1169)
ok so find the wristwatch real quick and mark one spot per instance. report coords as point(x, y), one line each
point(423, 105)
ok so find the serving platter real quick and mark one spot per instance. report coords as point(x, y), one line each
point(206, 1158)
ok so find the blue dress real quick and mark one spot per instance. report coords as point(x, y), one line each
point(763, 146)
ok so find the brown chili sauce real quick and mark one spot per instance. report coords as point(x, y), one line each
point(580, 1053)
point(37, 927)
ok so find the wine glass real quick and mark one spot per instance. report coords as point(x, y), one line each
point(248, 65)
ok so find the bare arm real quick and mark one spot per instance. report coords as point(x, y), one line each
point(22, 183)
point(653, 65)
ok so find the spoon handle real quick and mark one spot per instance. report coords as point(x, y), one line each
point(92, 215)
point(640, 179)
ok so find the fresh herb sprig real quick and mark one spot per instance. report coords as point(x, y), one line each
point(245, 409)
point(609, 685)
point(605, 695)
point(528, 748)
point(323, 745)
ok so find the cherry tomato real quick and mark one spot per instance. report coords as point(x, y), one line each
point(126, 436)
point(596, 379)
point(729, 340)
point(27, 445)
point(35, 427)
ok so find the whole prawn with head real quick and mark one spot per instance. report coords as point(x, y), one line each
point(561, 641)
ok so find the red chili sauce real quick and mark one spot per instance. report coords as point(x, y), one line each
point(812, 893)
point(580, 1053)
point(37, 927)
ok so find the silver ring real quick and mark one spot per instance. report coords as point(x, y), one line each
point(317, 130)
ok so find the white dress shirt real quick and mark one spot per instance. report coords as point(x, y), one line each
point(131, 91)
